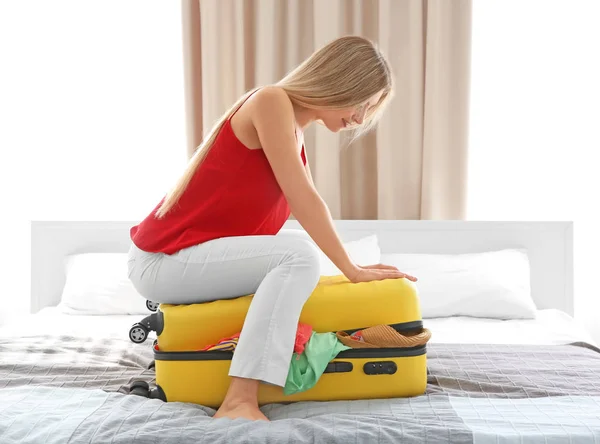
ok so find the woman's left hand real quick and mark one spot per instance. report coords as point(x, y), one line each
point(387, 267)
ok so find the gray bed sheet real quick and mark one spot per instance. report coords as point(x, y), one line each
point(65, 389)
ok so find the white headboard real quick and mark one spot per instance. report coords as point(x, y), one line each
point(549, 246)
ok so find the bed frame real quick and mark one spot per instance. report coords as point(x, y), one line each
point(549, 245)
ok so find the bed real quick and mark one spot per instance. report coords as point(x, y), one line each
point(64, 377)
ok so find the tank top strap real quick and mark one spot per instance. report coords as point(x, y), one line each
point(241, 104)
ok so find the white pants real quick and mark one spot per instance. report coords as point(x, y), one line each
point(281, 271)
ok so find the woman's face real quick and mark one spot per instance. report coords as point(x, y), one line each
point(347, 118)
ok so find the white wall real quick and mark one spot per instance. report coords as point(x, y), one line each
point(92, 118)
point(535, 119)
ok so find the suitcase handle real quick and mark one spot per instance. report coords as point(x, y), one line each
point(338, 367)
point(370, 368)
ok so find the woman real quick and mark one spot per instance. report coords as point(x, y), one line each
point(216, 234)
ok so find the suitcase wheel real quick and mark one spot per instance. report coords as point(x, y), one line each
point(138, 333)
point(158, 393)
point(152, 306)
point(140, 388)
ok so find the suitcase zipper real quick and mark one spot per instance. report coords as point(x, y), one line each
point(382, 352)
point(351, 353)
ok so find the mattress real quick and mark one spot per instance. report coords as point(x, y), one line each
point(549, 327)
point(64, 378)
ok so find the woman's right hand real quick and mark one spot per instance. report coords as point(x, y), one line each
point(377, 272)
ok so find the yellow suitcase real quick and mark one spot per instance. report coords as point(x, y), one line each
point(184, 374)
point(335, 304)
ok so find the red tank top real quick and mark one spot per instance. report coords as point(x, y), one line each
point(233, 193)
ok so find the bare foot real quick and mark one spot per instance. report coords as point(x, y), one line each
point(241, 410)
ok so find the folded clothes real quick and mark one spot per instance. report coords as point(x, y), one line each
point(307, 367)
point(225, 344)
point(383, 336)
point(302, 336)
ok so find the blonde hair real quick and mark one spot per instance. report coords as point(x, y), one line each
point(342, 74)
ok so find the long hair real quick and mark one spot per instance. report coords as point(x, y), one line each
point(344, 73)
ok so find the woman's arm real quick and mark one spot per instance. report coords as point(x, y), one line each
point(273, 118)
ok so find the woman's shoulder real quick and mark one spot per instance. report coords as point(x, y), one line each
point(269, 107)
point(271, 99)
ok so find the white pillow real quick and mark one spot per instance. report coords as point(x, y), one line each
point(493, 284)
point(97, 283)
point(364, 251)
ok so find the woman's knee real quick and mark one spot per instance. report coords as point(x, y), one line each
point(306, 256)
